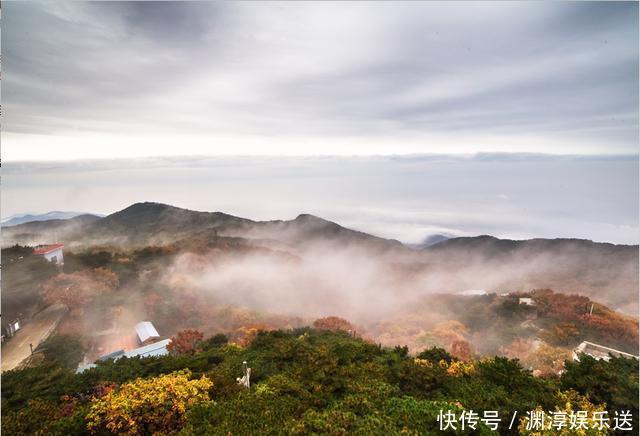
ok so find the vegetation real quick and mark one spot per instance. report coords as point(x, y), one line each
point(393, 376)
point(22, 275)
point(303, 381)
point(151, 406)
point(62, 350)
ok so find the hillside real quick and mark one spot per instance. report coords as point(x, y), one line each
point(408, 345)
point(303, 381)
point(143, 224)
point(53, 215)
point(605, 272)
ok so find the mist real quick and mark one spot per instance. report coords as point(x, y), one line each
point(407, 198)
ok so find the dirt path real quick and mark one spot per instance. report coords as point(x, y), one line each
point(35, 331)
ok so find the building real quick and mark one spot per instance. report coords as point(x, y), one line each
point(599, 352)
point(527, 301)
point(146, 332)
point(113, 355)
point(155, 349)
point(473, 292)
point(53, 253)
point(12, 328)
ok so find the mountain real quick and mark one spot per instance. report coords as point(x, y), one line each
point(54, 215)
point(605, 272)
point(150, 223)
point(44, 232)
point(431, 240)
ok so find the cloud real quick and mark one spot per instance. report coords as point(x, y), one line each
point(402, 197)
point(109, 79)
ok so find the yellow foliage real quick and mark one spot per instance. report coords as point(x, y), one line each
point(572, 403)
point(459, 368)
point(456, 368)
point(153, 406)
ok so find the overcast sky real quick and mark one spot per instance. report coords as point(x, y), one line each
point(104, 80)
point(489, 114)
point(406, 198)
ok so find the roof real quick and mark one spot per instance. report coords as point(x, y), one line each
point(83, 368)
point(598, 351)
point(156, 349)
point(152, 350)
point(470, 292)
point(113, 355)
point(44, 249)
point(146, 330)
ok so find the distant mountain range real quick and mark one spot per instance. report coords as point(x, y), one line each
point(431, 240)
point(143, 224)
point(54, 215)
point(606, 272)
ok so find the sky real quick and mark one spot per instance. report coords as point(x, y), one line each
point(516, 119)
point(401, 197)
point(130, 79)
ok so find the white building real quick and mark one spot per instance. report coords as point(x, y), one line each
point(599, 352)
point(155, 349)
point(53, 253)
point(146, 332)
point(473, 292)
point(152, 350)
point(12, 327)
point(527, 301)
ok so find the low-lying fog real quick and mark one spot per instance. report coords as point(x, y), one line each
point(367, 286)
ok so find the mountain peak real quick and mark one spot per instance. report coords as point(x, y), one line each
point(147, 206)
point(306, 217)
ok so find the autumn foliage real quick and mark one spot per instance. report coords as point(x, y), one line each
point(185, 342)
point(148, 406)
point(75, 290)
point(462, 350)
point(333, 323)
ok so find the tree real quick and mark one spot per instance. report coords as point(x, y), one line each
point(106, 278)
point(185, 342)
point(215, 341)
point(614, 383)
point(333, 323)
point(566, 333)
point(76, 290)
point(548, 360)
point(63, 350)
point(151, 406)
point(435, 355)
point(570, 402)
point(450, 331)
point(462, 350)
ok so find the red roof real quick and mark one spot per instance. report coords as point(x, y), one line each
point(44, 249)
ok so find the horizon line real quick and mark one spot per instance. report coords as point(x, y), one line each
point(458, 155)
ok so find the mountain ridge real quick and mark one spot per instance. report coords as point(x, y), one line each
point(147, 218)
point(48, 216)
point(608, 272)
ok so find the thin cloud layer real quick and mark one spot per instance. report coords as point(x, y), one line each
point(402, 197)
point(120, 79)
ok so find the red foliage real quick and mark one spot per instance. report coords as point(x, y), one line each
point(333, 323)
point(185, 342)
point(462, 350)
point(76, 290)
point(518, 349)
